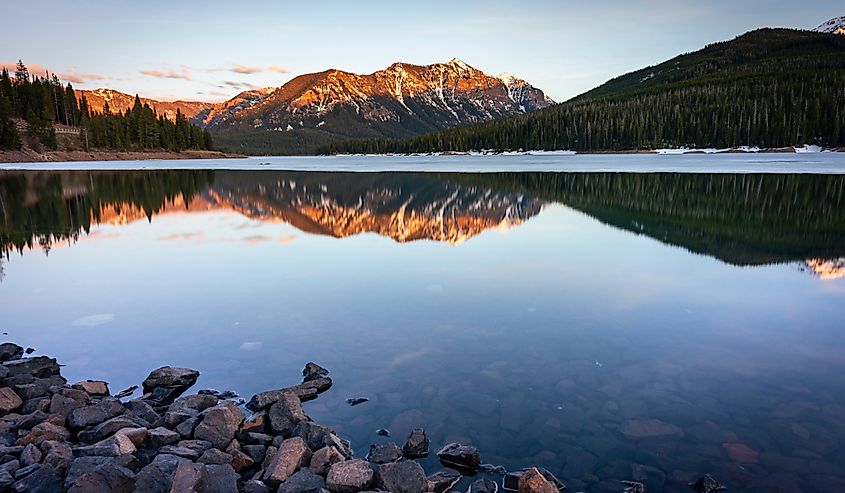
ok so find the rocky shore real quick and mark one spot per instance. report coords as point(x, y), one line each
point(56, 436)
point(28, 155)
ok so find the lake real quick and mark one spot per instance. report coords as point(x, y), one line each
point(605, 325)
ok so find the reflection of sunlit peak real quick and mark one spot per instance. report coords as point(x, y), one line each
point(827, 269)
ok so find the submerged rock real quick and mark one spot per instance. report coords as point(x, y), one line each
point(354, 401)
point(633, 487)
point(443, 481)
point(532, 481)
point(483, 485)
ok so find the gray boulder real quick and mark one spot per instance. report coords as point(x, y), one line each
point(219, 424)
point(402, 477)
point(349, 476)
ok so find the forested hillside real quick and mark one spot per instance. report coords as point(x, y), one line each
point(767, 88)
point(34, 105)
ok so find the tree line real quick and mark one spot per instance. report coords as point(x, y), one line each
point(768, 88)
point(42, 102)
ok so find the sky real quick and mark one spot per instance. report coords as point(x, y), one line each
point(212, 50)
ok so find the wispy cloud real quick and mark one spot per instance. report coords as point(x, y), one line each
point(277, 69)
point(236, 85)
point(239, 68)
point(244, 69)
point(72, 76)
point(183, 73)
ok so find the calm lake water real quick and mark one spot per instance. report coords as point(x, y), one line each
point(606, 326)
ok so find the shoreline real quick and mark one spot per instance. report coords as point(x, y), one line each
point(56, 436)
point(31, 156)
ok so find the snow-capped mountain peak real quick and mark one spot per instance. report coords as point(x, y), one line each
point(833, 26)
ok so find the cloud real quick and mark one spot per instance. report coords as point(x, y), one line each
point(284, 240)
point(257, 239)
point(243, 69)
point(183, 74)
point(237, 85)
point(92, 320)
point(70, 76)
point(239, 68)
point(78, 78)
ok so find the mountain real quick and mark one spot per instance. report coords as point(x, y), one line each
point(752, 90)
point(399, 101)
point(833, 26)
point(119, 101)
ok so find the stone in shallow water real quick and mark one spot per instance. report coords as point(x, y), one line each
point(9, 350)
point(483, 485)
point(532, 481)
point(354, 401)
point(706, 484)
point(633, 487)
point(402, 477)
point(313, 371)
point(460, 457)
point(383, 432)
point(417, 444)
point(165, 384)
point(650, 428)
point(442, 481)
point(384, 452)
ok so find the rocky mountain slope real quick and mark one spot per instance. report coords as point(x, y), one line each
point(833, 26)
point(399, 101)
point(119, 101)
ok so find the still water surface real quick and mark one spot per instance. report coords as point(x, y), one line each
point(606, 326)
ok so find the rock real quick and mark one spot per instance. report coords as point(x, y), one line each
point(402, 477)
point(285, 414)
point(110, 477)
point(742, 453)
point(303, 481)
point(193, 404)
point(241, 461)
point(313, 371)
point(93, 387)
point(26, 471)
point(159, 437)
point(219, 424)
point(382, 432)
point(45, 431)
point(11, 467)
point(323, 459)
point(511, 480)
point(384, 453)
point(483, 485)
point(57, 455)
point(189, 449)
point(9, 351)
point(255, 486)
point(531, 481)
point(142, 410)
point(165, 384)
point(126, 392)
point(306, 391)
point(650, 428)
point(109, 427)
point(190, 477)
point(260, 438)
point(354, 401)
point(292, 455)
point(255, 423)
point(37, 404)
point(60, 404)
point(314, 434)
point(113, 446)
point(706, 484)
point(460, 457)
point(157, 477)
point(417, 444)
point(215, 456)
point(186, 428)
point(38, 367)
point(255, 452)
point(442, 481)
point(633, 487)
point(9, 400)
point(30, 455)
point(349, 476)
point(94, 414)
point(6, 480)
point(221, 478)
point(44, 479)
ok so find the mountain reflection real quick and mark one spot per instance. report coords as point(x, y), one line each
point(739, 219)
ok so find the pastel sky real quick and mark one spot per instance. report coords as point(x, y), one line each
point(211, 50)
